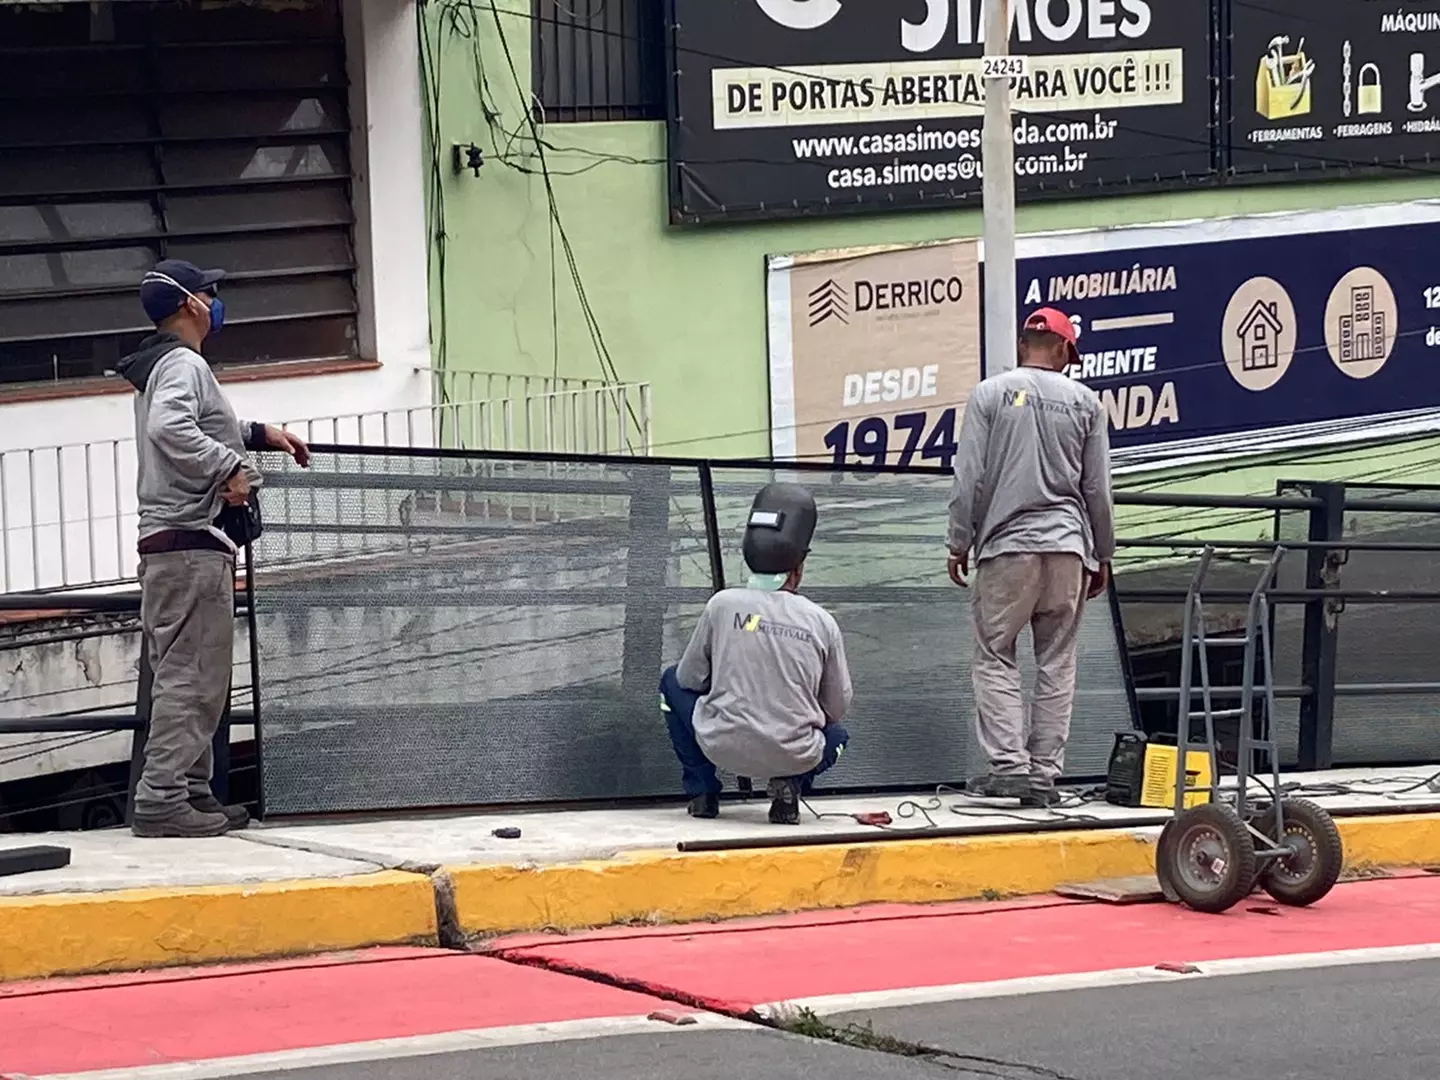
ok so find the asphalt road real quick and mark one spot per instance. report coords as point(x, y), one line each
point(1375, 1021)
point(708, 1055)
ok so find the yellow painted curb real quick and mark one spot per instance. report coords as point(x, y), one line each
point(81, 933)
point(1391, 840)
point(672, 887)
point(669, 886)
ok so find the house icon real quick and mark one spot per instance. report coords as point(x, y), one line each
point(1260, 336)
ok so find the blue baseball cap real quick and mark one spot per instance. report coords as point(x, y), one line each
point(163, 290)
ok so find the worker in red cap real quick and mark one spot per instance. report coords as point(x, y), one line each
point(1032, 507)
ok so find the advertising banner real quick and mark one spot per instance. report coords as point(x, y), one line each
point(1335, 85)
point(789, 107)
point(1307, 327)
point(873, 353)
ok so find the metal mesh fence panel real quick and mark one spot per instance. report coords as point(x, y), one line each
point(877, 563)
point(438, 631)
point(1388, 643)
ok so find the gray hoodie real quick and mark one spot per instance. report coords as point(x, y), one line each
point(188, 442)
point(772, 668)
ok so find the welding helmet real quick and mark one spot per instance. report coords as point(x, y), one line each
point(778, 533)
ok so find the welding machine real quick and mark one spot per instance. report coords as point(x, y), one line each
point(1142, 772)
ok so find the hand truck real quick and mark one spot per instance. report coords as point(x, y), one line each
point(1212, 854)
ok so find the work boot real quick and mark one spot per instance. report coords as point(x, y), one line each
point(785, 802)
point(1042, 793)
point(705, 806)
point(238, 816)
point(183, 822)
point(991, 786)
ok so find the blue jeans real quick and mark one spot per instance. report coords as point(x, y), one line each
point(697, 772)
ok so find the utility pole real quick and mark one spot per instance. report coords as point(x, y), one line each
point(998, 163)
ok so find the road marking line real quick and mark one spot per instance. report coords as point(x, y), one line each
point(831, 1004)
point(449, 1042)
point(1133, 322)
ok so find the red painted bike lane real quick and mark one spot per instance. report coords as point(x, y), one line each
point(735, 967)
point(131, 1021)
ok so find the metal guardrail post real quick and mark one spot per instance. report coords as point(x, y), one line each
point(220, 750)
point(253, 636)
point(1321, 636)
point(144, 688)
point(646, 569)
point(712, 527)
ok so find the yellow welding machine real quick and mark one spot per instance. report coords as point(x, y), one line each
point(1142, 773)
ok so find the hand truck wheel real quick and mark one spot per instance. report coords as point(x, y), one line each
point(1165, 861)
point(1317, 854)
point(1210, 858)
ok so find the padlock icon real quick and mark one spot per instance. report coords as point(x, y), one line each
point(1369, 92)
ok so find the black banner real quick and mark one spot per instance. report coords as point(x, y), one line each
point(787, 107)
point(1335, 84)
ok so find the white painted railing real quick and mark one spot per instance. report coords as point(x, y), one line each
point(68, 513)
point(543, 414)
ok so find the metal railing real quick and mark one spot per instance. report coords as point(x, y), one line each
point(542, 415)
point(1334, 668)
point(78, 741)
point(68, 512)
point(1317, 523)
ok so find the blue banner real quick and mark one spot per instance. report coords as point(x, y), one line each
point(1308, 328)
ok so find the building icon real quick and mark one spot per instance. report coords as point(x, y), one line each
point(1259, 335)
point(1362, 329)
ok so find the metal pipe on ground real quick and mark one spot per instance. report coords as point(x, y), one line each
point(756, 843)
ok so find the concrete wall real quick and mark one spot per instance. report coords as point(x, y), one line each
point(681, 309)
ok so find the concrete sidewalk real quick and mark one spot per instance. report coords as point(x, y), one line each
point(294, 888)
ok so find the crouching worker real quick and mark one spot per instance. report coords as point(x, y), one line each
point(763, 686)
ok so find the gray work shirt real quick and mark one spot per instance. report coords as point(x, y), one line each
point(772, 668)
point(1032, 470)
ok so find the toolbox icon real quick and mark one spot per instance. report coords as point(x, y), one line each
point(1282, 82)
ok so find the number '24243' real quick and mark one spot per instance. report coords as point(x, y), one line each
point(871, 440)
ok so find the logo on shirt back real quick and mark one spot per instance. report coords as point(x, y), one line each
point(751, 623)
point(1020, 399)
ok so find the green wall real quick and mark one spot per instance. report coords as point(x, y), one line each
point(681, 309)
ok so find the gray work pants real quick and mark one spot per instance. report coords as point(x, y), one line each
point(187, 610)
point(1047, 593)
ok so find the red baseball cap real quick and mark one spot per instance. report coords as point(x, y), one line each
point(1055, 322)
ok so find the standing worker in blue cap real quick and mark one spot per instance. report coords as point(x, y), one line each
point(763, 685)
point(195, 482)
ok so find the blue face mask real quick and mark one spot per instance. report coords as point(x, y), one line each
point(216, 305)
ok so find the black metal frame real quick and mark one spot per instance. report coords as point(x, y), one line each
point(1326, 549)
point(611, 55)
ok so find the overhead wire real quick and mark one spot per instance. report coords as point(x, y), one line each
point(463, 18)
point(1288, 152)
